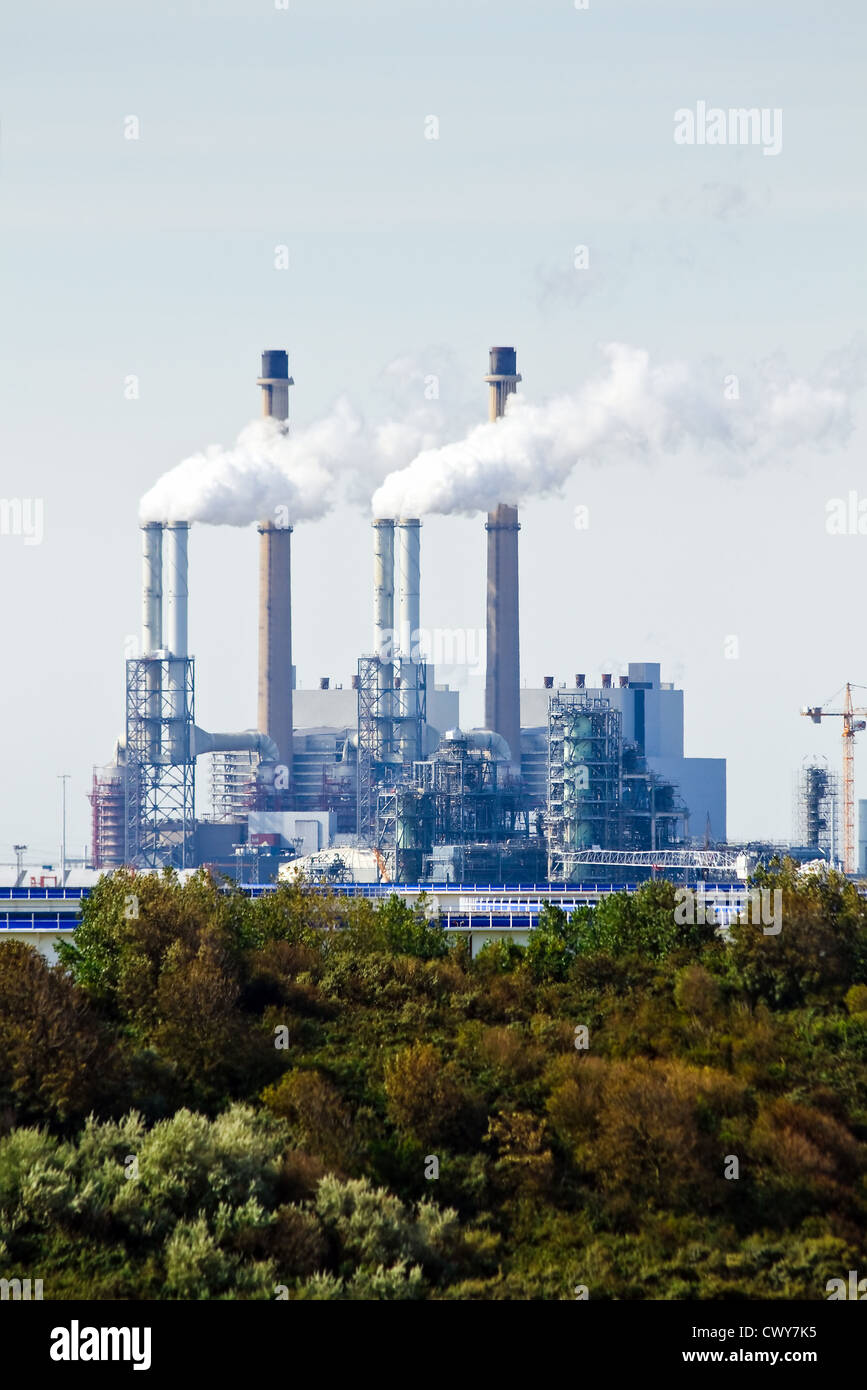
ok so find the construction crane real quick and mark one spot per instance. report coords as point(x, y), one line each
point(381, 865)
point(852, 725)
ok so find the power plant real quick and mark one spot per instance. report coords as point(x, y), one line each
point(376, 779)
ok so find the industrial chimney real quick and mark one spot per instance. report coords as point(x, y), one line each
point(502, 678)
point(275, 588)
point(176, 633)
point(152, 628)
point(408, 538)
point(383, 630)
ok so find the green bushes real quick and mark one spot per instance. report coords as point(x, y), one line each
point(313, 1098)
point(194, 1207)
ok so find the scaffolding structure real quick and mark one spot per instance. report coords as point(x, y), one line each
point(233, 784)
point(650, 807)
point(410, 713)
point(817, 807)
point(732, 862)
point(584, 777)
point(456, 798)
point(404, 824)
point(372, 730)
point(107, 816)
point(501, 861)
point(392, 714)
point(160, 766)
point(338, 796)
point(471, 801)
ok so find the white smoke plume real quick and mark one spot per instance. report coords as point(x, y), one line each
point(268, 468)
point(632, 407)
point(300, 473)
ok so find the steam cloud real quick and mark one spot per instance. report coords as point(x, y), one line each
point(306, 472)
point(631, 407)
point(268, 468)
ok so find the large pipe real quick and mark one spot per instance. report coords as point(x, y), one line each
point(152, 627)
point(275, 586)
point(152, 588)
point(176, 634)
point(502, 676)
point(409, 534)
point(177, 587)
point(250, 741)
point(383, 588)
point(409, 624)
point(383, 630)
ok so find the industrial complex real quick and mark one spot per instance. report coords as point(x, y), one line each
point(375, 779)
point(578, 785)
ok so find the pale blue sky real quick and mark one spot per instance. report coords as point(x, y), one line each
point(306, 127)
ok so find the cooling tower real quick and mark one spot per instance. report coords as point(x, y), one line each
point(502, 678)
point(274, 714)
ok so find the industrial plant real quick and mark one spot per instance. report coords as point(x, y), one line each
point(375, 778)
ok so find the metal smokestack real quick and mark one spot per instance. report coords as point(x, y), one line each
point(176, 628)
point(152, 588)
point(152, 626)
point(383, 588)
point(409, 623)
point(502, 677)
point(275, 382)
point(383, 628)
point(274, 715)
point(177, 587)
point(409, 537)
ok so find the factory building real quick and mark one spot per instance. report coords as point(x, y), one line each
point(651, 726)
point(380, 767)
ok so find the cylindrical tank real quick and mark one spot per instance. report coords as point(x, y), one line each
point(577, 775)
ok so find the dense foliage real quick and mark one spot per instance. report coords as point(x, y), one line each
point(306, 1097)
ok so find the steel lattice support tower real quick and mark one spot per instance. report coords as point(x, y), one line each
point(404, 830)
point(377, 722)
point(386, 829)
point(584, 777)
point(370, 735)
point(160, 766)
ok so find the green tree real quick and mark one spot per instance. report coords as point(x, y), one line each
point(56, 1060)
point(555, 942)
point(425, 1098)
point(821, 947)
point(642, 922)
